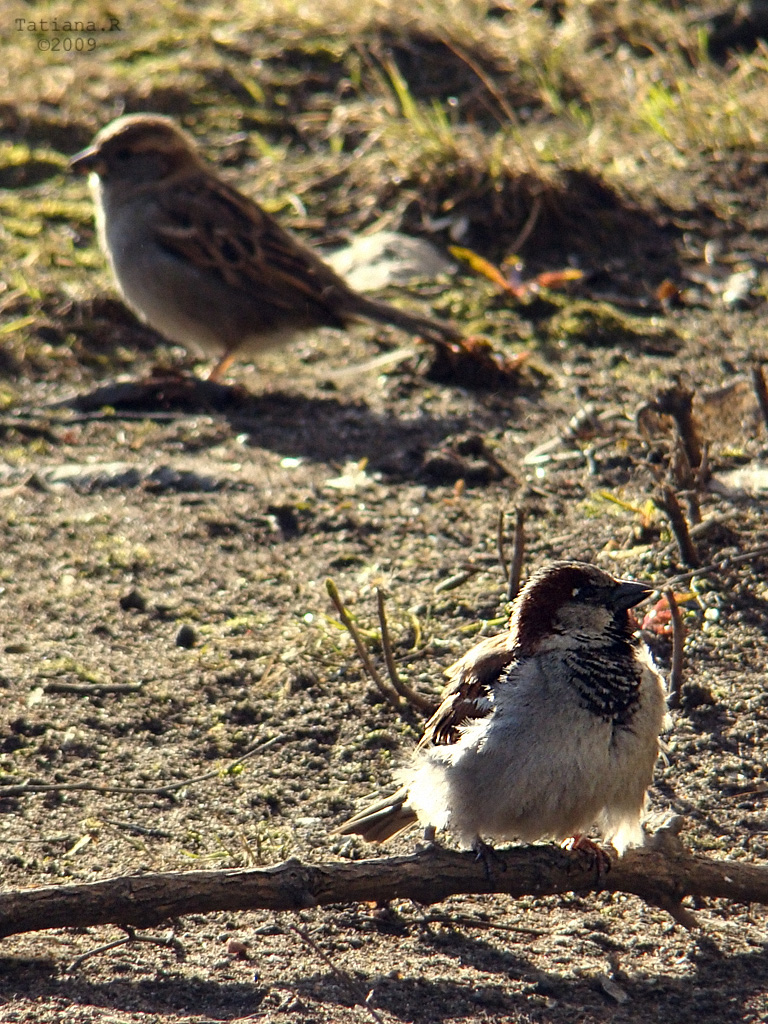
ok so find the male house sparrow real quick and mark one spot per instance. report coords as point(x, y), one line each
point(203, 264)
point(543, 731)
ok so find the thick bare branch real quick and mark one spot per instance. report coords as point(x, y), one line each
point(662, 873)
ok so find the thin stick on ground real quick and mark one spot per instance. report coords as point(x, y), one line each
point(530, 223)
point(692, 505)
point(513, 571)
point(171, 942)
point(20, 789)
point(666, 500)
point(500, 547)
point(105, 948)
point(510, 114)
point(721, 566)
point(678, 639)
point(518, 554)
point(416, 700)
point(703, 473)
point(761, 390)
point(468, 921)
point(91, 689)
point(388, 692)
point(360, 997)
point(677, 402)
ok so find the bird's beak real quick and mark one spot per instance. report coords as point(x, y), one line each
point(628, 593)
point(87, 160)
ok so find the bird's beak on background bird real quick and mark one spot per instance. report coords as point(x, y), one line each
point(86, 160)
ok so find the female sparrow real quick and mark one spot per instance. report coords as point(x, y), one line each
point(203, 264)
point(544, 730)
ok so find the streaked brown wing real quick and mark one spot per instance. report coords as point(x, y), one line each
point(230, 235)
point(468, 693)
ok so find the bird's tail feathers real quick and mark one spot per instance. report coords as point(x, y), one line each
point(428, 327)
point(380, 821)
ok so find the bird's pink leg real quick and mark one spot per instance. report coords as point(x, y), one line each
point(594, 851)
point(222, 366)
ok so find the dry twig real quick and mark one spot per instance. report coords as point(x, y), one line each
point(512, 572)
point(458, 579)
point(678, 638)
point(20, 789)
point(666, 500)
point(170, 942)
point(416, 700)
point(91, 689)
point(721, 566)
point(360, 997)
point(677, 402)
point(501, 553)
point(518, 554)
point(761, 390)
point(455, 920)
point(389, 693)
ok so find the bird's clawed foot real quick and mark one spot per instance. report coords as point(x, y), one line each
point(485, 852)
point(599, 859)
point(429, 842)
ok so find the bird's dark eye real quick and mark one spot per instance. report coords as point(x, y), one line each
point(124, 154)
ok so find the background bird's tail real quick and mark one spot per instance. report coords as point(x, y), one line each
point(425, 326)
